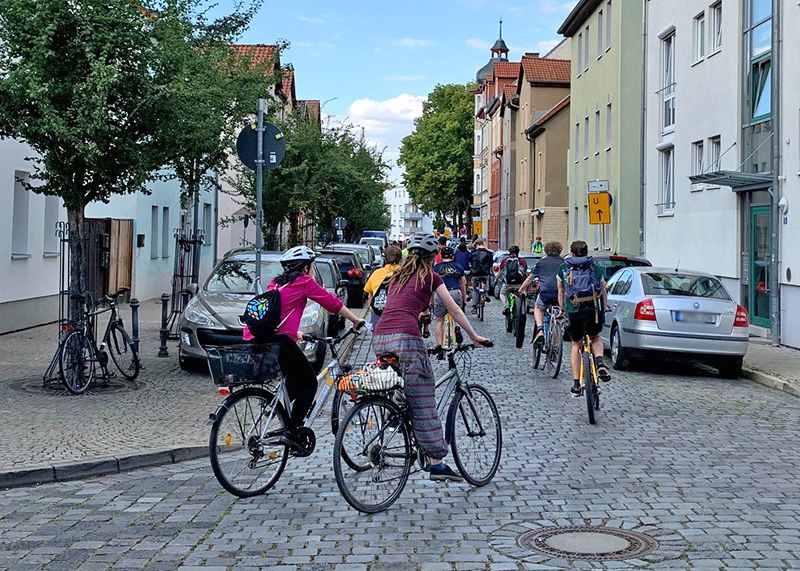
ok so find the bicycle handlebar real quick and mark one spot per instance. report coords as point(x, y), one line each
point(331, 340)
point(459, 348)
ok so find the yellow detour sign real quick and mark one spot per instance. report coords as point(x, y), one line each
point(477, 228)
point(599, 208)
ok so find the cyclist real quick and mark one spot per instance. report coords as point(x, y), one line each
point(582, 296)
point(378, 282)
point(481, 268)
point(296, 287)
point(442, 243)
point(544, 276)
point(453, 275)
point(410, 293)
point(513, 271)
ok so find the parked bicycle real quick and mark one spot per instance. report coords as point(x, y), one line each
point(551, 354)
point(377, 436)
point(79, 353)
point(245, 447)
point(589, 379)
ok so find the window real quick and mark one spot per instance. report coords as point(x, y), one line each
point(586, 49)
point(577, 145)
point(608, 25)
point(207, 224)
point(668, 82)
point(697, 162)
point(586, 137)
point(761, 77)
point(165, 232)
point(580, 53)
point(52, 205)
point(154, 232)
point(19, 216)
point(666, 203)
point(609, 126)
point(597, 132)
point(700, 36)
point(715, 14)
point(599, 33)
point(715, 153)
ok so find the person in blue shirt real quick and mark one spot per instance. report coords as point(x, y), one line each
point(453, 275)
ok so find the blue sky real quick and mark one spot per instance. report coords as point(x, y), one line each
point(374, 61)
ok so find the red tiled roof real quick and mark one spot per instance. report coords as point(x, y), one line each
point(259, 53)
point(510, 91)
point(548, 70)
point(504, 68)
point(287, 83)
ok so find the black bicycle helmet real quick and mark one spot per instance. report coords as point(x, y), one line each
point(514, 250)
point(448, 253)
point(423, 243)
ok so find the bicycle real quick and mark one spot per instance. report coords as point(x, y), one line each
point(589, 379)
point(80, 353)
point(553, 347)
point(452, 332)
point(378, 435)
point(248, 425)
point(481, 291)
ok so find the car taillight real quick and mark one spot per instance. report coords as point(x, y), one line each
point(354, 273)
point(742, 319)
point(67, 327)
point(645, 311)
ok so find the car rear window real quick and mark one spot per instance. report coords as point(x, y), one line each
point(237, 276)
point(342, 258)
point(687, 285)
point(612, 266)
point(325, 274)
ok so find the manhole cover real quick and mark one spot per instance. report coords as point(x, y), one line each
point(591, 543)
point(35, 386)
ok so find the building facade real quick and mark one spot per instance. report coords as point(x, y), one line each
point(406, 217)
point(606, 119)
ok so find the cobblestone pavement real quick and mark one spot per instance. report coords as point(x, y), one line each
point(705, 466)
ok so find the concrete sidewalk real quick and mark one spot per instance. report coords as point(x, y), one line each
point(775, 367)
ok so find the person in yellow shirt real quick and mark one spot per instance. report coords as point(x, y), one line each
point(377, 285)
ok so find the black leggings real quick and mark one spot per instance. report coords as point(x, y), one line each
point(301, 382)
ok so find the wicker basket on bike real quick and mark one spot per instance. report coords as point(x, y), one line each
point(379, 376)
point(243, 364)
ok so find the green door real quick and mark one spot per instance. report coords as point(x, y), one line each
point(759, 265)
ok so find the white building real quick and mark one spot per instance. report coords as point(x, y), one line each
point(711, 100)
point(406, 218)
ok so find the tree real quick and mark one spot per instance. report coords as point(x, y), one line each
point(437, 156)
point(91, 85)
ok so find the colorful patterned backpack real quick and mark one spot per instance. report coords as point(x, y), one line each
point(262, 315)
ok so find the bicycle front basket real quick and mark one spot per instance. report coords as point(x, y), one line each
point(243, 364)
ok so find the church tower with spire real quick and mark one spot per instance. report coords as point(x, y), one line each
point(499, 52)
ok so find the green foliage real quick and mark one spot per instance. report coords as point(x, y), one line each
point(437, 156)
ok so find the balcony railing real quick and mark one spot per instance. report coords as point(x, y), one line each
point(412, 215)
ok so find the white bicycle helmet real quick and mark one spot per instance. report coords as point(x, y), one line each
point(297, 257)
point(423, 243)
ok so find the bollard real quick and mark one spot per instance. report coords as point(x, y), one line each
point(135, 323)
point(162, 349)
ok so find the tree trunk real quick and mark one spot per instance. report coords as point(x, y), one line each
point(77, 259)
point(270, 233)
point(294, 229)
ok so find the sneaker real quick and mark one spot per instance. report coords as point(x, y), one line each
point(506, 311)
point(602, 371)
point(576, 388)
point(538, 339)
point(442, 472)
point(474, 310)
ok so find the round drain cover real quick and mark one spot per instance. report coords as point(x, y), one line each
point(594, 543)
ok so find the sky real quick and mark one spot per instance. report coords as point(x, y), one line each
point(374, 61)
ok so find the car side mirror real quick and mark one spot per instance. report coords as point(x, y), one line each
point(192, 289)
point(342, 283)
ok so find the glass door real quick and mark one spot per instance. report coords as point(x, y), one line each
point(760, 247)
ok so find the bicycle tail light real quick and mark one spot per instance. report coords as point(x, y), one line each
point(223, 391)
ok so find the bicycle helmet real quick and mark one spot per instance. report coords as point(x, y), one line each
point(447, 253)
point(514, 250)
point(422, 243)
point(297, 257)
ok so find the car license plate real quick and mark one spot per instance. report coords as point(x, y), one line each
point(695, 317)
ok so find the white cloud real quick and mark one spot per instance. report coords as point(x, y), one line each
point(311, 20)
point(478, 44)
point(412, 42)
point(556, 6)
point(404, 78)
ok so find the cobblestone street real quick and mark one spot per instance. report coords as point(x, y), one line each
point(706, 467)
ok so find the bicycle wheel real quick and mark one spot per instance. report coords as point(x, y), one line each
point(475, 435)
point(376, 435)
point(588, 387)
point(521, 320)
point(341, 407)
point(244, 462)
point(555, 352)
point(510, 316)
point(481, 303)
point(77, 362)
point(122, 352)
point(536, 356)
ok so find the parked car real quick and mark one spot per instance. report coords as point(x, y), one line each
point(612, 263)
point(530, 259)
point(379, 237)
point(331, 279)
point(212, 315)
point(353, 277)
point(497, 259)
point(364, 252)
point(379, 260)
point(677, 314)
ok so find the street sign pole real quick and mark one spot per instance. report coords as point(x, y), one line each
point(259, 190)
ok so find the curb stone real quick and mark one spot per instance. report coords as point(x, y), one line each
point(770, 381)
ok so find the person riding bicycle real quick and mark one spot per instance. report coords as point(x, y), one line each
point(453, 275)
point(481, 268)
point(410, 293)
point(513, 271)
point(545, 277)
point(442, 244)
point(377, 285)
point(296, 286)
point(582, 296)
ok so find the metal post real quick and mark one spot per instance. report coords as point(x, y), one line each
point(164, 333)
point(774, 266)
point(196, 238)
point(259, 188)
point(135, 323)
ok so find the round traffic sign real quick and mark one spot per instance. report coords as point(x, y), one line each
point(274, 146)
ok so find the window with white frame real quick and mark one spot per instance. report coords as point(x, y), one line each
point(154, 232)
point(699, 36)
point(19, 216)
point(715, 153)
point(52, 204)
point(165, 241)
point(600, 29)
point(666, 191)
point(609, 126)
point(580, 53)
point(668, 82)
point(608, 25)
point(586, 49)
point(698, 162)
point(586, 137)
point(715, 15)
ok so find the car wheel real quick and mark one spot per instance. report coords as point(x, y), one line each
point(730, 368)
point(619, 355)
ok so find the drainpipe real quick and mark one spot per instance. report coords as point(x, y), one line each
point(774, 276)
point(643, 150)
